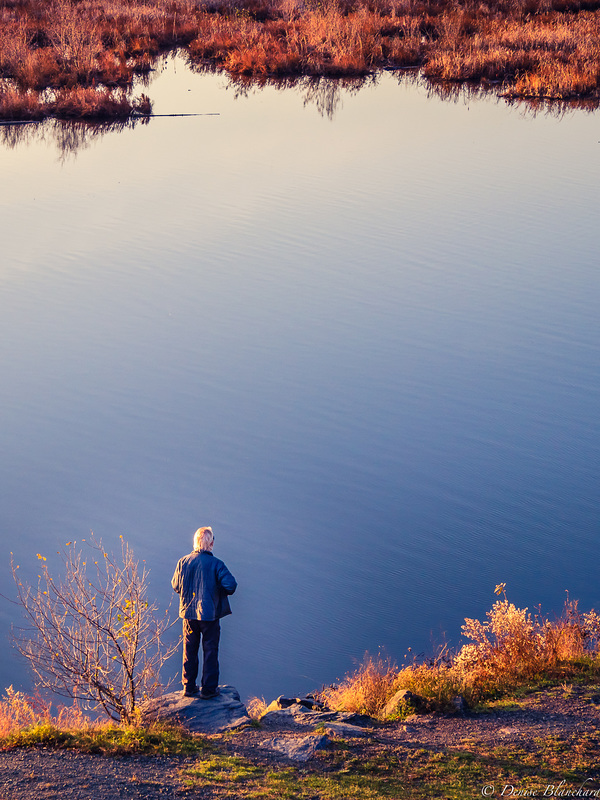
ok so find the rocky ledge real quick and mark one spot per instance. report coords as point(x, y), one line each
point(295, 727)
point(305, 726)
point(222, 713)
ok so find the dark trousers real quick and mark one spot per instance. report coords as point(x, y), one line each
point(210, 632)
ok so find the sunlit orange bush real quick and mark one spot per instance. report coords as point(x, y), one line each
point(510, 648)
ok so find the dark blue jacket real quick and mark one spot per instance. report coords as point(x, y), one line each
point(203, 583)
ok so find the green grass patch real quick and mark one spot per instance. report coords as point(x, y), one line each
point(222, 769)
point(110, 740)
point(411, 773)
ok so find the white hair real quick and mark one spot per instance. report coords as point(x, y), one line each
point(204, 539)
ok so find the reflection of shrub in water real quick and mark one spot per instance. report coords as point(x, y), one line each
point(68, 136)
point(326, 94)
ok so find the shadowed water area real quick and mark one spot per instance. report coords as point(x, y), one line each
point(352, 327)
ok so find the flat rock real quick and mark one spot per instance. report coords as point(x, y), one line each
point(298, 715)
point(222, 713)
point(297, 748)
point(340, 729)
point(421, 719)
point(459, 705)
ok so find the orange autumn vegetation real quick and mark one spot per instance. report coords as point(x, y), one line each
point(19, 711)
point(510, 649)
point(69, 58)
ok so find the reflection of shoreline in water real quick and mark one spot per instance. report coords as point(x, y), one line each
point(455, 92)
point(68, 136)
point(326, 94)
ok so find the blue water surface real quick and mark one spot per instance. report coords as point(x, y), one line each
point(363, 346)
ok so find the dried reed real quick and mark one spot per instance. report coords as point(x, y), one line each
point(537, 49)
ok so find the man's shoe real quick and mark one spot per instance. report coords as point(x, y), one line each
point(208, 694)
point(191, 691)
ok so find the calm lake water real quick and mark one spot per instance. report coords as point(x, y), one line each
point(357, 332)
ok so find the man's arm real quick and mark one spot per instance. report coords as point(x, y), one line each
point(176, 579)
point(226, 580)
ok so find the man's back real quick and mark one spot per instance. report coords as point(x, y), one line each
point(203, 583)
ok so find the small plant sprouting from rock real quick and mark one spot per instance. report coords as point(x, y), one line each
point(256, 707)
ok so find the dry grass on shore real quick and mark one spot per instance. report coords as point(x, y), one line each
point(19, 711)
point(511, 649)
point(51, 52)
point(27, 721)
point(80, 102)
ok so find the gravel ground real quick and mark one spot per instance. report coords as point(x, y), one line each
point(44, 774)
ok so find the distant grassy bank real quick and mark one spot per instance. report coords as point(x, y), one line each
point(78, 58)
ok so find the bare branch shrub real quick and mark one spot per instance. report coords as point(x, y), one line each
point(75, 37)
point(92, 635)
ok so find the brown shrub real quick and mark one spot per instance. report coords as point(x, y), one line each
point(19, 105)
point(511, 648)
point(366, 690)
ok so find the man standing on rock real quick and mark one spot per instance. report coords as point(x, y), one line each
point(203, 583)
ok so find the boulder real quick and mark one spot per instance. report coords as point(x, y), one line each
point(297, 748)
point(405, 700)
point(286, 702)
point(459, 705)
point(222, 713)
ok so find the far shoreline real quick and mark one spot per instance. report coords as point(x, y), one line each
point(79, 59)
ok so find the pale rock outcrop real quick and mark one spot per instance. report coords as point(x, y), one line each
point(297, 748)
point(345, 730)
point(222, 713)
point(298, 715)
